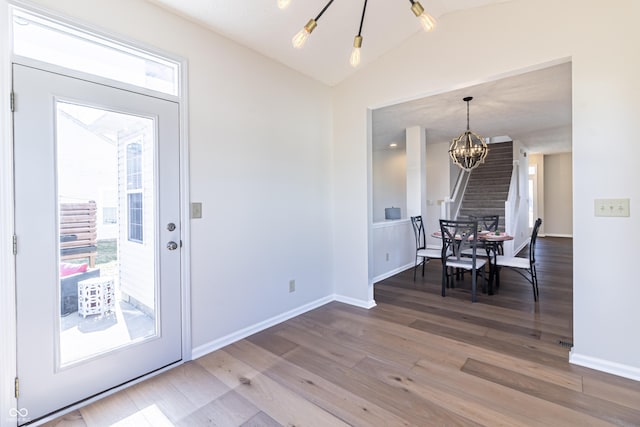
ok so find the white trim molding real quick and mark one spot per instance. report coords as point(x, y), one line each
point(355, 302)
point(390, 273)
point(7, 260)
point(614, 368)
point(217, 344)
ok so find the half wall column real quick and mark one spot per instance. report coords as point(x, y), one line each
point(416, 149)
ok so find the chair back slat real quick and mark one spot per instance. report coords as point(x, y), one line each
point(486, 222)
point(418, 232)
point(458, 235)
point(532, 243)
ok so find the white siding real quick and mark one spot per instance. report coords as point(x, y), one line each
point(137, 259)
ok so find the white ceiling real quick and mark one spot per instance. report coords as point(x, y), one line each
point(533, 108)
point(261, 26)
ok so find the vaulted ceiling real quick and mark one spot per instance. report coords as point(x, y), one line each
point(533, 108)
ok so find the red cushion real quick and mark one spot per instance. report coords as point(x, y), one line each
point(67, 269)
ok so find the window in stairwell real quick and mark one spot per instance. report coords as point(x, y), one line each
point(533, 170)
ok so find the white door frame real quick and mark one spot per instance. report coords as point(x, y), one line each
point(8, 330)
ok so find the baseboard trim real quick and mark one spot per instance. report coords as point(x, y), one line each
point(614, 368)
point(393, 272)
point(355, 302)
point(214, 345)
point(570, 236)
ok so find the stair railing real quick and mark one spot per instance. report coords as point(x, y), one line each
point(512, 207)
point(451, 205)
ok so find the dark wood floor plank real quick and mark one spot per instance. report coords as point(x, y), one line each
point(618, 390)
point(353, 409)
point(532, 410)
point(416, 359)
point(277, 401)
point(272, 342)
point(261, 420)
point(230, 409)
point(595, 407)
point(332, 350)
point(414, 409)
point(463, 405)
point(444, 351)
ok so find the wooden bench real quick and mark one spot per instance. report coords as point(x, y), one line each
point(78, 231)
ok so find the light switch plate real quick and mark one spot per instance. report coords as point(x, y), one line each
point(612, 207)
point(196, 210)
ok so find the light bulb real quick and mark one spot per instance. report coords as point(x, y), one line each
point(301, 37)
point(427, 21)
point(354, 59)
point(283, 4)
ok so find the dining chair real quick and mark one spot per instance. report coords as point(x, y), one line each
point(487, 223)
point(526, 267)
point(459, 236)
point(424, 252)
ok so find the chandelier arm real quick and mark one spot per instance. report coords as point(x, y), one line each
point(364, 9)
point(323, 10)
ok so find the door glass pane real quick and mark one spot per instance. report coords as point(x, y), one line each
point(105, 183)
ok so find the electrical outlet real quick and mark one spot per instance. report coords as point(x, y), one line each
point(292, 285)
point(612, 207)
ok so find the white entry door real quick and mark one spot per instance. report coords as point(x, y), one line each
point(98, 238)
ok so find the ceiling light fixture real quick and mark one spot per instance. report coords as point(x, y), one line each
point(301, 37)
point(283, 4)
point(427, 21)
point(354, 59)
point(469, 149)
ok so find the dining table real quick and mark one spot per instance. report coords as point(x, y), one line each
point(493, 243)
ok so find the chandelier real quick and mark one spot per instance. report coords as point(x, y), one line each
point(469, 149)
point(427, 21)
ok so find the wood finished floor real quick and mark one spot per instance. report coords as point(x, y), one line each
point(416, 359)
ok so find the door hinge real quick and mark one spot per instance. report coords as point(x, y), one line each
point(17, 387)
point(12, 101)
point(15, 244)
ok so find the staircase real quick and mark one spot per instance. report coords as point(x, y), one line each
point(488, 185)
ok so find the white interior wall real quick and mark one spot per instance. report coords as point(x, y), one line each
point(389, 174)
point(259, 140)
point(394, 248)
point(438, 187)
point(416, 185)
point(600, 39)
point(557, 195)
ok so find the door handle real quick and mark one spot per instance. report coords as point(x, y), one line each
point(172, 246)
